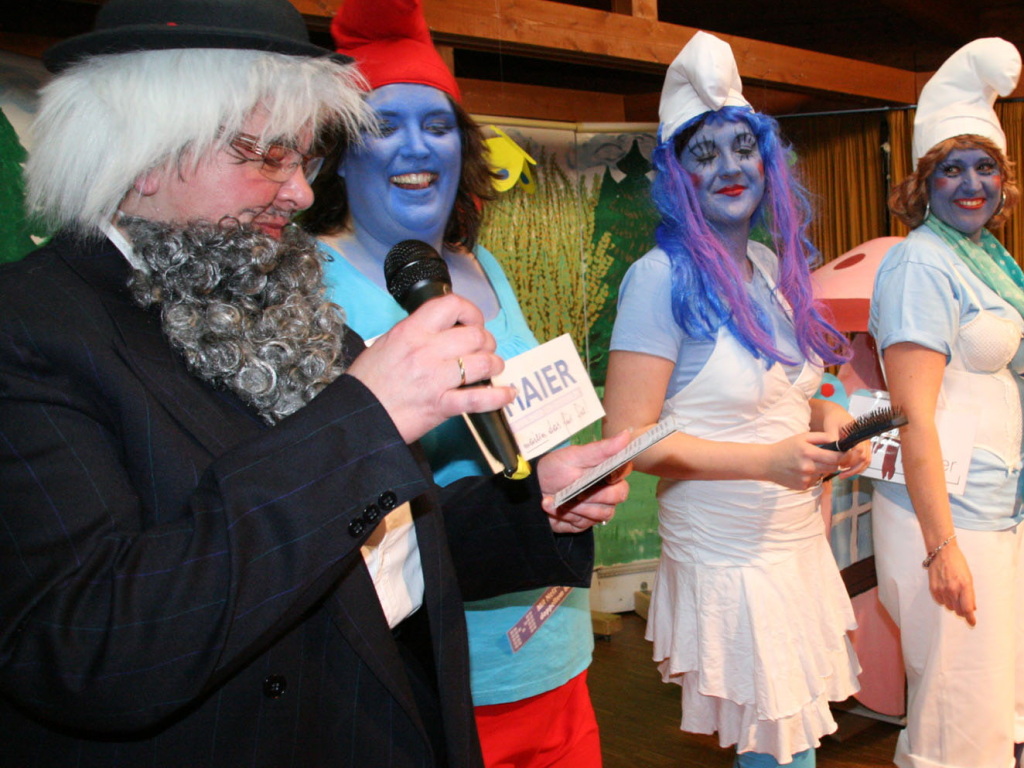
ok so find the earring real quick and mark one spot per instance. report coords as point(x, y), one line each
point(927, 209)
point(1002, 204)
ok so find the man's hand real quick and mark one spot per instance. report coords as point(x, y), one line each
point(559, 468)
point(416, 368)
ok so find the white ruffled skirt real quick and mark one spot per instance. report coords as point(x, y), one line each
point(759, 649)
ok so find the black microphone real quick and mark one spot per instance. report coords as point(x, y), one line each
point(415, 273)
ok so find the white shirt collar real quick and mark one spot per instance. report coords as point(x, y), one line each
point(116, 236)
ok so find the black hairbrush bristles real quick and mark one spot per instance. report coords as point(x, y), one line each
point(867, 426)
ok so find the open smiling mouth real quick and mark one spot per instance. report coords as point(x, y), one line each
point(970, 203)
point(414, 180)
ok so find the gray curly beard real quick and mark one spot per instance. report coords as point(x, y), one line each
point(246, 311)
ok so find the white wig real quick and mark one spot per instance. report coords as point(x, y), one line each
point(110, 119)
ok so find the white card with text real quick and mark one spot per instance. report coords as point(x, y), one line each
point(555, 396)
point(956, 439)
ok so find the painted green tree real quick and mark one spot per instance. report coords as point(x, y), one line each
point(15, 229)
point(558, 248)
point(626, 214)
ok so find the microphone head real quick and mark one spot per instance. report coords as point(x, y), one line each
point(415, 272)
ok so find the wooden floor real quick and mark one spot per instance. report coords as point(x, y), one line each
point(639, 716)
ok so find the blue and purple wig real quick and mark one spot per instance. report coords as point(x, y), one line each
point(708, 289)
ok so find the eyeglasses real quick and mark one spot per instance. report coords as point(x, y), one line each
point(277, 162)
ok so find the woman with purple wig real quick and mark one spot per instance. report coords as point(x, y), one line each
point(720, 333)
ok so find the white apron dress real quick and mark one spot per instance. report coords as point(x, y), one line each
point(962, 713)
point(749, 613)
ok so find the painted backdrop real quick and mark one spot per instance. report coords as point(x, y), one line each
point(565, 244)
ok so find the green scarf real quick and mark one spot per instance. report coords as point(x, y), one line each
point(989, 261)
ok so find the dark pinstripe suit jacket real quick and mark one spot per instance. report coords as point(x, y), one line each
point(182, 586)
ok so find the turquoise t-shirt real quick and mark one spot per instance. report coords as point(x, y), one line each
point(562, 647)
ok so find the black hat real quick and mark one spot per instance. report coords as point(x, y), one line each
point(123, 26)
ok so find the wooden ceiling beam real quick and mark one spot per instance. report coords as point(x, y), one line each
point(644, 9)
point(486, 97)
point(556, 31)
point(631, 38)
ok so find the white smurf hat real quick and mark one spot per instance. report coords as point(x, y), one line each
point(703, 78)
point(958, 98)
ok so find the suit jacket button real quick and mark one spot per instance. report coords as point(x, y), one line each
point(274, 685)
point(372, 513)
point(387, 500)
point(356, 528)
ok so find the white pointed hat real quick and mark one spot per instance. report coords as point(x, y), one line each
point(958, 98)
point(703, 78)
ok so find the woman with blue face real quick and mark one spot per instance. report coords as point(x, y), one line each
point(423, 175)
point(725, 166)
point(946, 314)
point(407, 175)
point(720, 332)
point(966, 189)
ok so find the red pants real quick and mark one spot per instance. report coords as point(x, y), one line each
point(556, 729)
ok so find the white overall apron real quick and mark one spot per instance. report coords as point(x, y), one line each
point(749, 613)
point(965, 685)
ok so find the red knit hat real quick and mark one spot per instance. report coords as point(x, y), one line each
point(390, 42)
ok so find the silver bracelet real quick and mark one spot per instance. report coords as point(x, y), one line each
point(931, 555)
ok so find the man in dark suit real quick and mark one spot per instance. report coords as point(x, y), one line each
point(220, 545)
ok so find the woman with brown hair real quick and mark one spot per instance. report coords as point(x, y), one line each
point(947, 316)
point(423, 176)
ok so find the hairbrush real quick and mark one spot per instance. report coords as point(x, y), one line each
point(867, 426)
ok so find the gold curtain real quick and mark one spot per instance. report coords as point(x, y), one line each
point(840, 161)
point(901, 137)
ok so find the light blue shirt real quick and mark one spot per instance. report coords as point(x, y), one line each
point(918, 298)
point(645, 322)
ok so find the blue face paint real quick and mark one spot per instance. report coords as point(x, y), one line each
point(402, 184)
point(727, 171)
point(964, 190)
